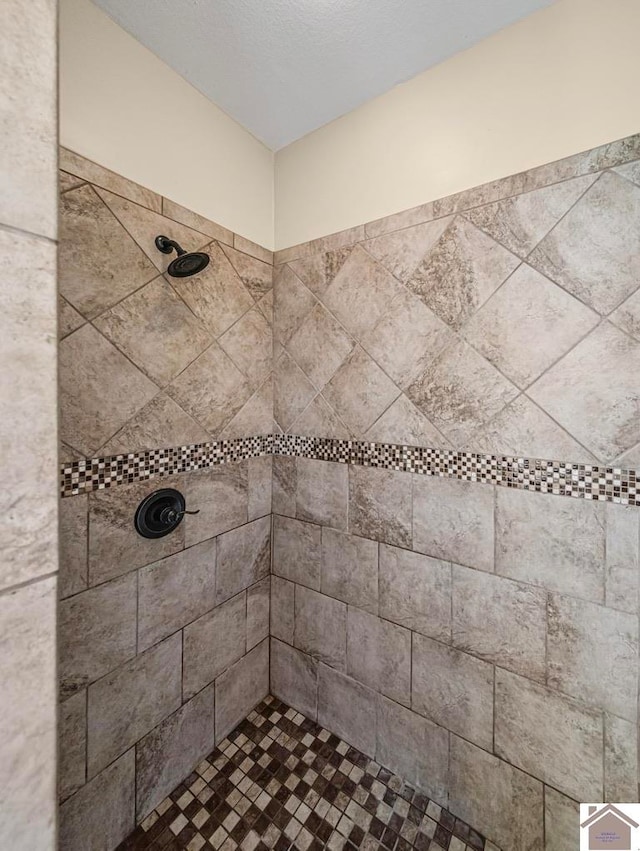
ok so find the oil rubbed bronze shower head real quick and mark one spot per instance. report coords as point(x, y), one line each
point(186, 263)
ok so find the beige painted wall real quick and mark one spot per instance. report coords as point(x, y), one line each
point(124, 108)
point(559, 82)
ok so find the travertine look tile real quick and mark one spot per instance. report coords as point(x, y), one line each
point(114, 545)
point(131, 701)
point(320, 627)
point(246, 246)
point(460, 391)
point(166, 755)
point(260, 476)
point(350, 569)
point(592, 393)
point(294, 678)
point(380, 505)
point(332, 242)
point(630, 170)
point(592, 654)
point(414, 748)
point(92, 276)
point(100, 390)
point(102, 813)
point(594, 252)
point(292, 391)
point(194, 220)
point(460, 272)
point(549, 736)
point(415, 591)
point(556, 543)
point(379, 654)
point(68, 318)
point(175, 591)
point(212, 389)
point(97, 632)
point(623, 557)
point(28, 711)
point(101, 176)
point(320, 420)
point(454, 520)
point(453, 689)
point(561, 821)
point(360, 293)
point(524, 430)
point(528, 307)
point(144, 225)
point(249, 345)
point(240, 688)
point(347, 708)
point(627, 316)
point(29, 131)
point(292, 303)
point(296, 551)
point(407, 338)
point(401, 251)
point(255, 416)
point(519, 223)
point(282, 609)
point(502, 621)
point(244, 557)
point(221, 495)
point(255, 274)
point(74, 522)
point(322, 492)
point(265, 306)
point(258, 598)
point(161, 423)
point(285, 482)
point(156, 330)
point(320, 346)
point(403, 423)
point(502, 802)
point(318, 270)
point(68, 181)
point(213, 643)
point(72, 744)
point(620, 759)
point(216, 295)
point(360, 391)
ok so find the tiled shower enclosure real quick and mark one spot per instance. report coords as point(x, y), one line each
point(413, 449)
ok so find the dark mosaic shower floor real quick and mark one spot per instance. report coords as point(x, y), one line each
point(281, 781)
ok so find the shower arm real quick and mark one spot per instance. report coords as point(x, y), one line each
point(166, 245)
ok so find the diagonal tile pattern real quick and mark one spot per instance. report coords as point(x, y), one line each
point(480, 331)
point(147, 360)
point(281, 781)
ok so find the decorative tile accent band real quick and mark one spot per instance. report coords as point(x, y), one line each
point(93, 474)
point(561, 478)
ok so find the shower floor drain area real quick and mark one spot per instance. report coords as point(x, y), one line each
point(281, 781)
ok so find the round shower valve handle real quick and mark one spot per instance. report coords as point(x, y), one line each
point(160, 513)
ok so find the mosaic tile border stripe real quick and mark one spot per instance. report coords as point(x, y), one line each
point(91, 474)
point(560, 478)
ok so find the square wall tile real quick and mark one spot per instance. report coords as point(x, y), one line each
point(294, 678)
point(347, 708)
point(380, 505)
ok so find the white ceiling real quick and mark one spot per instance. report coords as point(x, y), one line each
point(283, 68)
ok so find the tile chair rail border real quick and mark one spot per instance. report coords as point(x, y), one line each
point(558, 478)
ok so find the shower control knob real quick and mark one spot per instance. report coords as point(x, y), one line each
point(160, 513)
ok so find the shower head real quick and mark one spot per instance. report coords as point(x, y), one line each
point(185, 264)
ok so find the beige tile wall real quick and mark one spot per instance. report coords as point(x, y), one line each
point(147, 360)
point(28, 417)
point(162, 644)
point(501, 320)
point(515, 665)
